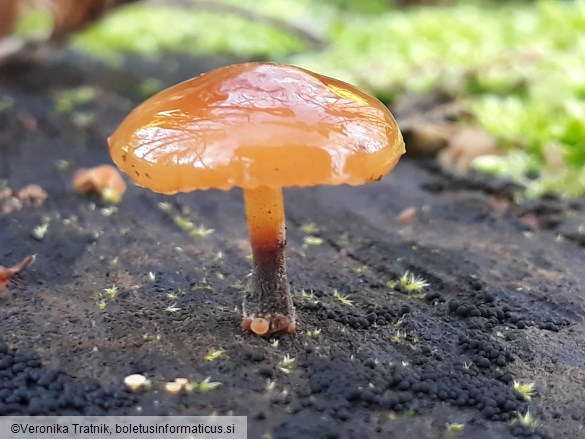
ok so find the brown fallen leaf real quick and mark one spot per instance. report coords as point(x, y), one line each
point(7, 273)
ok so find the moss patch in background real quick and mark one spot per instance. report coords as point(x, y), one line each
point(520, 67)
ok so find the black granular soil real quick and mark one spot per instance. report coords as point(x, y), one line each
point(28, 388)
point(371, 358)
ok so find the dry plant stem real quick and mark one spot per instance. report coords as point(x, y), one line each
point(269, 296)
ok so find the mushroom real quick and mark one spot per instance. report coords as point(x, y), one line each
point(103, 180)
point(261, 127)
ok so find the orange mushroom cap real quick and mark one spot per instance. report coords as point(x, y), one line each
point(257, 124)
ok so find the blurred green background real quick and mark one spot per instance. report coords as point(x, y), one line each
point(518, 67)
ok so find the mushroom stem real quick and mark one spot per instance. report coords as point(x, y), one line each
point(268, 306)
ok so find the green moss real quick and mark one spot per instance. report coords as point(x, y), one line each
point(519, 66)
point(68, 99)
point(152, 30)
point(34, 21)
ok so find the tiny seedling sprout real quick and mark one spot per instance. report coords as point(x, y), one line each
point(214, 355)
point(343, 298)
point(398, 337)
point(286, 364)
point(314, 333)
point(454, 427)
point(527, 419)
point(206, 385)
point(412, 283)
point(524, 389)
point(172, 308)
point(312, 240)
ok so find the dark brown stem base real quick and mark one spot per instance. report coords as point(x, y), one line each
point(268, 297)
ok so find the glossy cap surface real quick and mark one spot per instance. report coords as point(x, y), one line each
point(257, 124)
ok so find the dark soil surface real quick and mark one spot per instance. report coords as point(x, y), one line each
point(505, 301)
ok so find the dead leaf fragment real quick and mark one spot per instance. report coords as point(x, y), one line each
point(7, 273)
point(407, 216)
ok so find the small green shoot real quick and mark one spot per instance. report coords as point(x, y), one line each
point(172, 295)
point(454, 427)
point(286, 364)
point(204, 386)
point(412, 283)
point(106, 296)
point(313, 240)
point(524, 389)
point(110, 210)
point(183, 222)
point(309, 228)
point(201, 232)
point(270, 385)
point(214, 355)
point(66, 100)
point(63, 165)
point(344, 239)
point(39, 232)
point(314, 333)
point(307, 295)
point(165, 206)
point(527, 419)
point(111, 293)
point(398, 337)
point(172, 308)
point(343, 298)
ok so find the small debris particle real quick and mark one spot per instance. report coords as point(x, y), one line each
point(173, 387)
point(137, 382)
point(407, 216)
